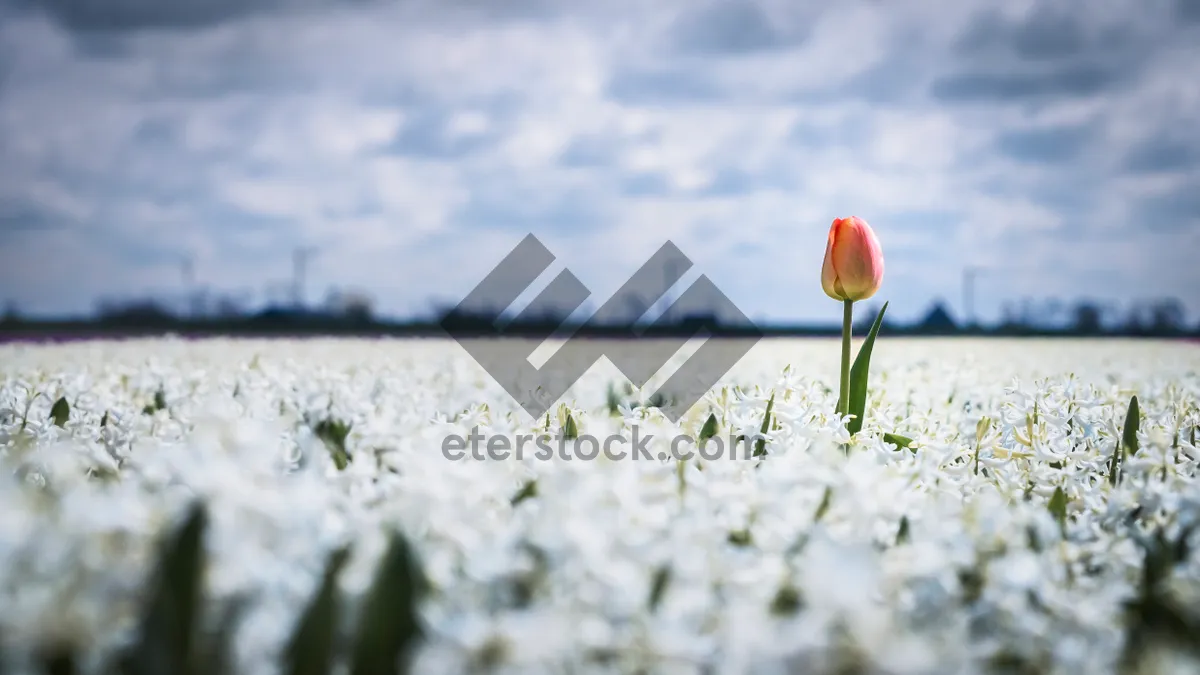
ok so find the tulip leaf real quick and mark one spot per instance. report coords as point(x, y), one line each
point(527, 491)
point(389, 623)
point(310, 650)
point(1058, 508)
point(760, 445)
point(1132, 421)
point(658, 587)
point(709, 430)
point(858, 376)
point(901, 442)
point(166, 636)
point(60, 412)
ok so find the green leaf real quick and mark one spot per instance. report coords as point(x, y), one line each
point(858, 376)
point(60, 412)
point(823, 507)
point(218, 651)
point(310, 650)
point(1114, 466)
point(529, 489)
point(1058, 508)
point(389, 626)
point(709, 430)
point(658, 587)
point(1129, 440)
point(901, 442)
point(104, 420)
point(570, 430)
point(787, 601)
point(902, 534)
point(167, 633)
point(333, 433)
point(740, 538)
point(612, 401)
point(58, 659)
point(760, 445)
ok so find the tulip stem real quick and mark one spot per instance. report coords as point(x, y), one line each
point(847, 324)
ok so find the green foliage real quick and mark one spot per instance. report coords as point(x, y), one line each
point(1058, 508)
point(527, 491)
point(570, 430)
point(857, 404)
point(709, 430)
point(901, 442)
point(60, 412)
point(902, 533)
point(823, 507)
point(333, 433)
point(1129, 440)
point(612, 401)
point(787, 601)
point(169, 641)
point(1154, 618)
point(760, 445)
point(310, 650)
point(58, 659)
point(658, 587)
point(159, 403)
point(740, 538)
point(1128, 444)
point(166, 635)
point(389, 625)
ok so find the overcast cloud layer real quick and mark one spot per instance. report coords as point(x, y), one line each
point(414, 143)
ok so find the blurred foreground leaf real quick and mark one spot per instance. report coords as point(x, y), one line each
point(389, 625)
point(167, 632)
point(310, 651)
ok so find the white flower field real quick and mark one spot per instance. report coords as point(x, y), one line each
point(1032, 525)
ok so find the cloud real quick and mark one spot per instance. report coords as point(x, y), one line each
point(729, 27)
point(1070, 81)
point(122, 15)
point(415, 142)
point(1163, 153)
point(1055, 144)
point(664, 86)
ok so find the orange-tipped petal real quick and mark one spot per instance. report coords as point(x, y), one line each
point(853, 267)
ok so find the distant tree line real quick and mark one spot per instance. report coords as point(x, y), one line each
point(351, 312)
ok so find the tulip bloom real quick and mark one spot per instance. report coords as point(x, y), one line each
point(853, 268)
point(853, 271)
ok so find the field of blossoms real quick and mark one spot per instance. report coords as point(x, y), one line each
point(1002, 510)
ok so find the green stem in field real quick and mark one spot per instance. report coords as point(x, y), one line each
point(844, 391)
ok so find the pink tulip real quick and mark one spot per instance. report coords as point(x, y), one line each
point(853, 268)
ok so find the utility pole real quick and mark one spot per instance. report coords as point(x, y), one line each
point(300, 260)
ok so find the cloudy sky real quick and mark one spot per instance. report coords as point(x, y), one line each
point(415, 142)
